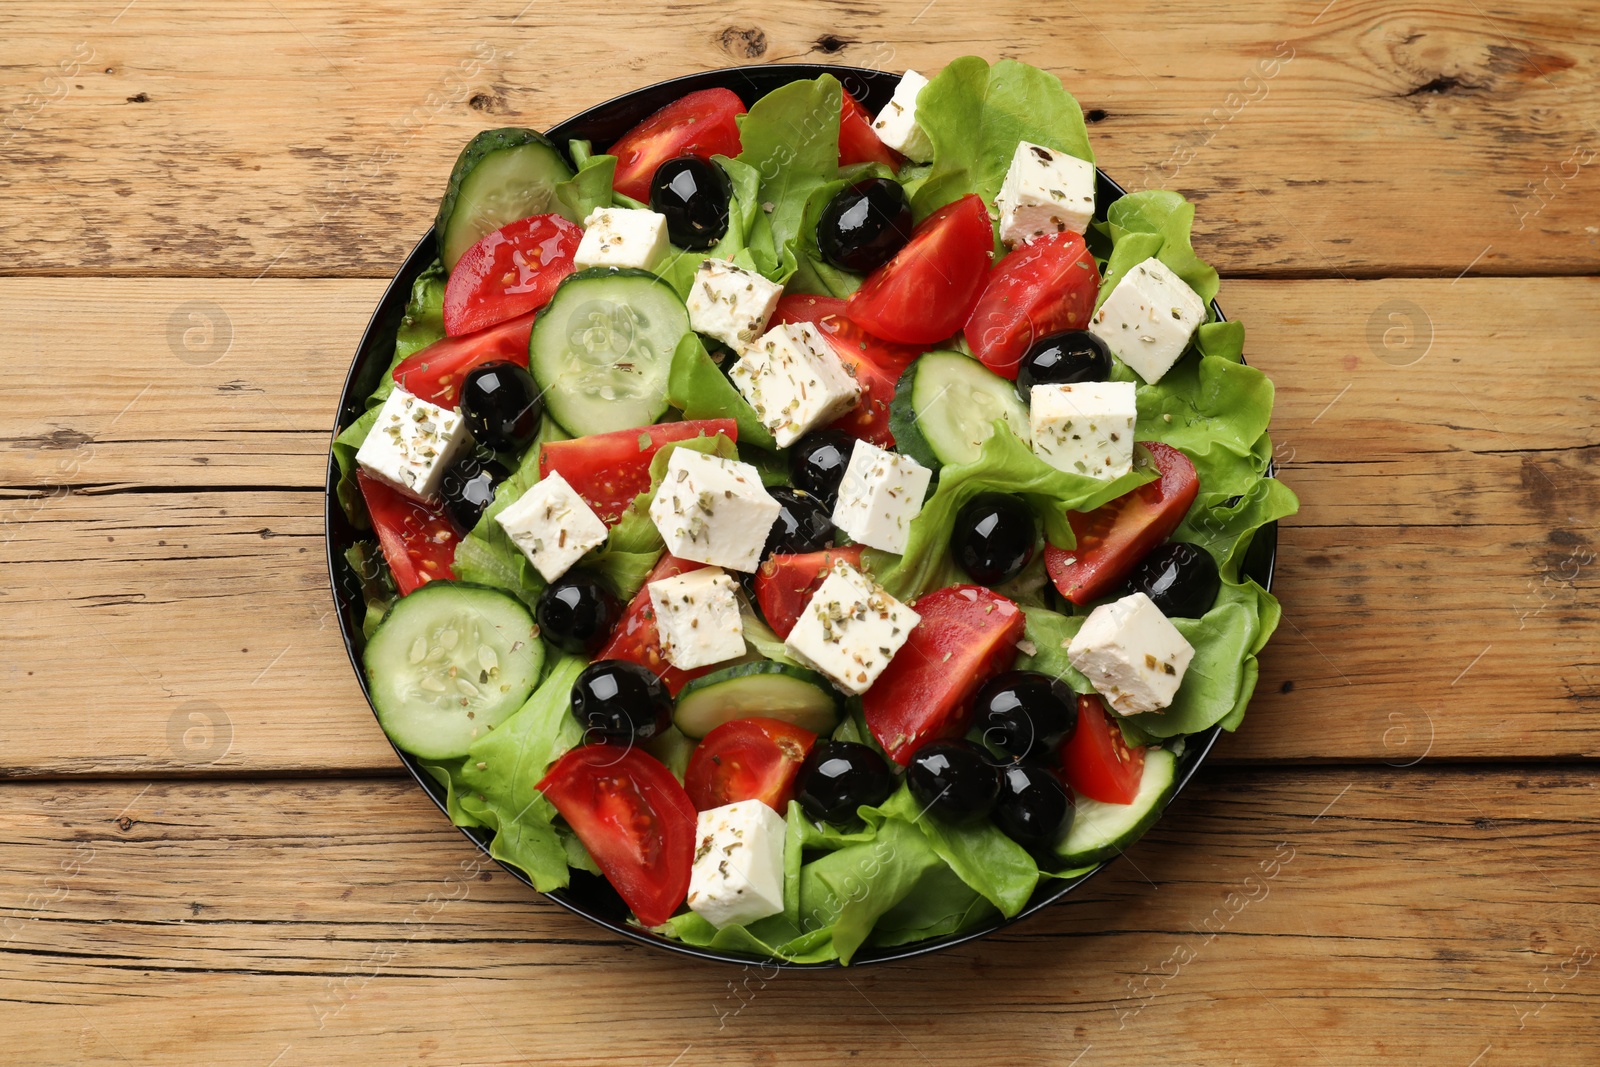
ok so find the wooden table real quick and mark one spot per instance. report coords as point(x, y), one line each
point(210, 853)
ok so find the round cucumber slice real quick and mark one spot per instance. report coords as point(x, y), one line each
point(449, 663)
point(500, 177)
point(602, 349)
point(1100, 830)
point(945, 407)
point(766, 689)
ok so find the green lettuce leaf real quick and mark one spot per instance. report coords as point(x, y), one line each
point(448, 774)
point(984, 859)
point(697, 387)
point(748, 242)
point(590, 187)
point(790, 138)
point(1167, 215)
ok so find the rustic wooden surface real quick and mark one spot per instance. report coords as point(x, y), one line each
point(209, 855)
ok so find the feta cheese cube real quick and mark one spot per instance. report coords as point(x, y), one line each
point(713, 510)
point(1131, 654)
point(795, 381)
point(552, 525)
point(880, 494)
point(1086, 428)
point(850, 629)
point(730, 303)
point(1148, 319)
point(1045, 191)
point(622, 237)
point(697, 616)
point(737, 876)
point(411, 444)
point(896, 125)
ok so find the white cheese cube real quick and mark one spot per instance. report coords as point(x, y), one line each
point(737, 875)
point(552, 525)
point(880, 494)
point(622, 237)
point(730, 303)
point(411, 444)
point(1045, 191)
point(850, 629)
point(795, 381)
point(896, 125)
point(1148, 319)
point(1085, 428)
point(713, 510)
point(697, 615)
point(1131, 654)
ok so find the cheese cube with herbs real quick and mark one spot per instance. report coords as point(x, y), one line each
point(795, 381)
point(730, 303)
point(1148, 319)
point(896, 125)
point(697, 616)
point(411, 444)
point(1132, 655)
point(737, 876)
point(622, 237)
point(850, 629)
point(1045, 191)
point(880, 494)
point(713, 510)
point(552, 525)
point(1085, 428)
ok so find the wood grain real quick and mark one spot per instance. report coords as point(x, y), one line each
point(1272, 917)
point(1374, 137)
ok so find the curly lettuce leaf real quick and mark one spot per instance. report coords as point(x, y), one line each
point(790, 138)
point(1167, 215)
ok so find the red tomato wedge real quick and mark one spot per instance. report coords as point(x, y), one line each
point(747, 759)
point(1041, 288)
point(700, 124)
point(636, 638)
point(609, 469)
point(927, 291)
point(876, 364)
point(968, 634)
point(1096, 762)
point(435, 373)
point(512, 271)
point(858, 143)
point(1114, 537)
point(418, 541)
point(635, 820)
point(785, 583)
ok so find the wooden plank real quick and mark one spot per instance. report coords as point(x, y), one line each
point(1298, 916)
point(314, 140)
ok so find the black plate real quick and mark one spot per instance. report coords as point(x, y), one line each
point(588, 895)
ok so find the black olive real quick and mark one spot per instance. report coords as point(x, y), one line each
point(954, 781)
point(1034, 810)
point(837, 777)
point(803, 523)
point(864, 225)
point(1063, 359)
point(577, 613)
point(994, 537)
point(817, 463)
point(1025, 713)
point(615, 700)
point(502, 406)
point(693, 194)
point(467, 487)
point(1181, 579)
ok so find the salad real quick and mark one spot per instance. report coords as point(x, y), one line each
point(824, 526)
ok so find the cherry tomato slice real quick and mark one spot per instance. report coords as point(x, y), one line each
point(1096, 761)
point(609, 469)
point(418, 541)
point(876, 364)
point(1041, 288)
point(858, 143)
point(785, 583)
point(747, 759)
point(927, 291)
point(512, 271)
point(1114, 537)
point(635, 820)
point(699, 124)
point(435, 373)
point(636, 638)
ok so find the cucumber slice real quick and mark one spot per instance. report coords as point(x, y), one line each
point(602, 349)
point(449, 663)
point(500, 177)
point(1101, 831)
point(766, 689)
point(945, 406)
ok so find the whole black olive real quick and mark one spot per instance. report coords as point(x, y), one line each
point(577, 613)
point(502, 406)
point(1180, 578)
point(467, 487)
point(693, 194)
point(1063, 359)
point(1025, 713)
point(803, 523)
point(864, 225)
point(954, 781)
point(994, 537)
point(837, 777)
point(817, 463)
point(615, 700)
point(1035, 810)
